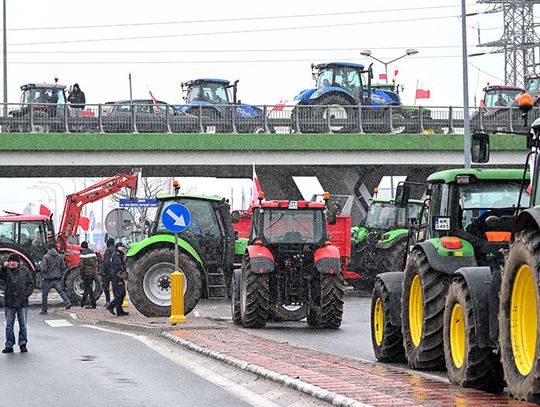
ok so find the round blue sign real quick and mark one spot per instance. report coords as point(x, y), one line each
point(176, 217)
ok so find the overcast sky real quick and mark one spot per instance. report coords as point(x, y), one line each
point(264, 44)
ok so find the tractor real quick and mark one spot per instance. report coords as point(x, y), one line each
point(289, 261)
point(498, 109)
point(206, 255)
point(380, 243)
point(532, 87)
point(333, 104)
point(469, 224)
point(211, 99)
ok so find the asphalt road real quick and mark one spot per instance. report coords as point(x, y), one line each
point(73, 364)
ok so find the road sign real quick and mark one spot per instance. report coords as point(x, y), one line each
point(176, 218)
point(119, 223)
point(138, 203)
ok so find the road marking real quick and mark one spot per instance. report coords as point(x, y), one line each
point(57, 323)
point(196, 314)
point(73, 315)
point(242, 393)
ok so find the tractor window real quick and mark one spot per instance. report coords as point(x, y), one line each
point(203, 219)
point(293, 226)
point(325, 79)
point(7, 232)
point(381, 216)
point(491, 196)
point(210, 92)
point(533, 86)
point(32, 238)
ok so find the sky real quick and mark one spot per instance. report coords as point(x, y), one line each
point(268, 46)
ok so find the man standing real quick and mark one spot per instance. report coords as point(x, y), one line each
point(119, 273)
point(53, 268)
point(108, 270)
point(77, 99)
point(88, 268)
point(19, 286)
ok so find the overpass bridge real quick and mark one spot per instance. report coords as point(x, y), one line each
point(343, 163)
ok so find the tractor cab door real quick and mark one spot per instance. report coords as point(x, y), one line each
point(32, 237)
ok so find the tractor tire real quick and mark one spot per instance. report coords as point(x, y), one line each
point(281, 313)
point(467, 364)
point(385, 337)
point(235, 298)
point(393, 258)
point(149, 283)
point(328, 312)
point(254, 297)
point(73, 285)
point(339, 107)
point(422, 309)
point(518, 317)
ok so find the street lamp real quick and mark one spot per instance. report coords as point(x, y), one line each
point(408, 52)
point(46, 190)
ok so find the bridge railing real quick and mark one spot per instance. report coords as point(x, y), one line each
point(148, 118)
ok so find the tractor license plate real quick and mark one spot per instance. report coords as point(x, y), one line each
point(442, 223)
point(293, 204)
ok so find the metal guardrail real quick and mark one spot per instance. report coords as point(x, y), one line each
point(147, 118)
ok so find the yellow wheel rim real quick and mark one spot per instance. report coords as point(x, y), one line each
point(457, 336)
point(378, 321)
point(415, 310)
point(523, 319)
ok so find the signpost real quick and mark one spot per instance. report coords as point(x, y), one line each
point(176, 218)
point(119, 223)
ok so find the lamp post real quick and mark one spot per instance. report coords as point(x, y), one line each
point(46, 190)
point(408, 52)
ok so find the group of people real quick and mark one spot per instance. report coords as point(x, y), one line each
point(19, 285)
point(76, 98)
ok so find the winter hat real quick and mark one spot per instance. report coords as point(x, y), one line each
point(14, 257)
point(84, 245)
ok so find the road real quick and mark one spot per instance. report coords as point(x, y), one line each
point(70, 363)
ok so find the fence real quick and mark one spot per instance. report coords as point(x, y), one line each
point(150, 118)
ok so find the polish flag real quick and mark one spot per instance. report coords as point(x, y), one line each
point(255, 188)
point(84, 223)
point(396, 71)
point(421, 93)
point(382, 76)
point(156, 109)
point(43, 210)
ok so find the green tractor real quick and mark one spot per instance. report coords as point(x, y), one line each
point(379, 243)
point(206, 255)
point(471, 212)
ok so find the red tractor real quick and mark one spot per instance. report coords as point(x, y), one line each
point(289, 261)
point(29, 235)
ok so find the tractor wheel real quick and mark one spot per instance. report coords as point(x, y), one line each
point(327, 311)
point(518, 317)
point(398, 123)
point(254, 297)
point(468, 365)
point(339, 108)
point(393, 258)
point(422, 308)
point(235, 298)
point(385, 337)
point(280, 313)
point(149, 283)
point(73, 285)
point(211, 120)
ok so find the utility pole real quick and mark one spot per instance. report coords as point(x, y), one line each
point(5, 62)
point(466, 128)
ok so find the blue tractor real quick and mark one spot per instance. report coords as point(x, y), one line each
point(212, 99)
point(340, 88)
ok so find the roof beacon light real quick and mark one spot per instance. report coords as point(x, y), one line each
point(326, 196)
point(261, 197)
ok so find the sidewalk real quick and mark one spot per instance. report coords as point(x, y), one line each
point(340, 380)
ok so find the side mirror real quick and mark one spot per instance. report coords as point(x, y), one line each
point(480, 147)
point(403, 193)
point(235, 216)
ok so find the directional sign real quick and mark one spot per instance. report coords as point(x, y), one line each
point(176, 218)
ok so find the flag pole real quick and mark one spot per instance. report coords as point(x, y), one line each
point(416, 90)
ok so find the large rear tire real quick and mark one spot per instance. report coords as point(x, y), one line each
point(73, 284)
point(327, 311)
point(393, 258)
point(254, 297)
point(518, 316)
point(385, 337)
point(468, 365)
point(339, 108)
point(280, 313)
point(422, 309)
point(150, 282)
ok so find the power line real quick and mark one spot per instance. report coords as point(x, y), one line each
point(232, 19)
point(487, 73)
point(308, 27)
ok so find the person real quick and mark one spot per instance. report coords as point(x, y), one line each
point(77, 99)
point(119, 273)
point(19, 285)
point(107, 270)
point(53, 268)
point(88, 269)
point(51, 98)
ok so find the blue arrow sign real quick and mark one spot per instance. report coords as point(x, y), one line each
point(176, 217)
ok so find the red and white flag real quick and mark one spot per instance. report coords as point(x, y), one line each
point(256, 188)
point(382, 76)
point(156, 108)
point(421, 91)
point(396, 71)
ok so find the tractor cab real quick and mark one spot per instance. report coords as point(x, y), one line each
point(532, 87)
point(497, 96)
point(46, 97)
point(210, 91)
point(384, 215)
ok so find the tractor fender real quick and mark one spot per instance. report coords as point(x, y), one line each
point(195, 106)
point(261, 259)
point(444, 264)
point(526, 218)
point(331, 89)
point(393, 282)
point(327, 260)
point(304, 96)
point(483, 288)
point(162, 240)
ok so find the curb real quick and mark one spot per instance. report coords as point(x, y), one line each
point(135, 327)
point(309, 389)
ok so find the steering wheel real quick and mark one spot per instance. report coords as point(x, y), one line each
point(292, 236)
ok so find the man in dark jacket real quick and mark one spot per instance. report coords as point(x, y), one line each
point(53, 268)
point(88, 268)
point(19, 286)
point(107, 269)
point(77, 99)
point(118, 275)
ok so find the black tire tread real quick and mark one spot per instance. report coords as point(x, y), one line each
point(255, 313)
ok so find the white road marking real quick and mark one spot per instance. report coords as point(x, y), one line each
point(57, 323)
point(73, 315)
point(242, 393)
point(196, 314)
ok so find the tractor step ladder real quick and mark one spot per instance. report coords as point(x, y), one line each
point(215, 285)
